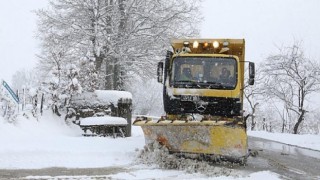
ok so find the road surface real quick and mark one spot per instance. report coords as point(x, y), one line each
point(291, 162)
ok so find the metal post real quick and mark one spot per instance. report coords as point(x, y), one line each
point(18, 99)
point(5, 111)
point(125, 111)
point(41, 106)
point(24, 98)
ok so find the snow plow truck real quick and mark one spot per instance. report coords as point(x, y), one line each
point(203, 84)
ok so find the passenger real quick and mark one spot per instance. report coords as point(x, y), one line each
point(186, 75)
point(225, 75)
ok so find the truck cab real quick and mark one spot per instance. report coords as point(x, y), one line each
point(204, 76)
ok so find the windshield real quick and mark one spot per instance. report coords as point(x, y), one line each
point(212, 72)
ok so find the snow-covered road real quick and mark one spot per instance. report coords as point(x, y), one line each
point(49, 149)
point(289, 161)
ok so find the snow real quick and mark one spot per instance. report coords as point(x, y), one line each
point(172, 175)
point(49, 142)
point(75, 81)
point(113, 96)
point(101, 97)
point(105, 120)
point(307, 140)
point(32, 92)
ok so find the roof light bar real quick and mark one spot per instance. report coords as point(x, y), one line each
point(195, 44)
point(215, 44)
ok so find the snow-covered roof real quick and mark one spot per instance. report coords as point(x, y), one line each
point(100, 98)
point(104, 120)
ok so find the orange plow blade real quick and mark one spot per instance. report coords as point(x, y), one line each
point(194, 137)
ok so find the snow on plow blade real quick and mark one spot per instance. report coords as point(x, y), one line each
point(210, 138)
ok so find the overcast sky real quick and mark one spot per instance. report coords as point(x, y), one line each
point(262, 23)
point(17, 30)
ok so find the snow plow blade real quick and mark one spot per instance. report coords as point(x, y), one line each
point(209, 139)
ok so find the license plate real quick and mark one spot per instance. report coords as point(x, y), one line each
point(190, 98)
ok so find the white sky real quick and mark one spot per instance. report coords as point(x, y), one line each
point(17, 30)
point(264, 24)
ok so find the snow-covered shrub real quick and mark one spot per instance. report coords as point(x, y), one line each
point(147, 97)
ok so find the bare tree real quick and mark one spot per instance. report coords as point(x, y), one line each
point(291, 78)
point(284, 114)
point(253, 95)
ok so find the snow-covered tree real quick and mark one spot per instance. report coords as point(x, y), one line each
point(24, 79)
point(121, 37)
point(74, 87)
point(88, 75)
point(291, 78)
point(54, 88)
point(33, 93)
point(147, 97)
point(254, 96)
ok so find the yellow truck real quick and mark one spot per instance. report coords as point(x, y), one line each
point(203, 83)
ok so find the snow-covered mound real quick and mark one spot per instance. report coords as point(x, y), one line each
point(50, 142)
point(47, 126)
point(100, 98)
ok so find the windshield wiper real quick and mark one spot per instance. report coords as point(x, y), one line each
point(215, 85)
point(208, 85)
point(184, 81)
point(187, 83)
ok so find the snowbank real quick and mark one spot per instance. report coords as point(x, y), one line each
point(307, 140)
point(49, 142)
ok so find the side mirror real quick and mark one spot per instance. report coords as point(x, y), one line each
point(251, 73)
point(160, 72)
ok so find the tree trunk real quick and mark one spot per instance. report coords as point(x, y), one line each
point(98, 62)
point(109, 85)
point(116, 77)
point(283, 123)
point(253, 107)
point(253, 123)
point(296, 126)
